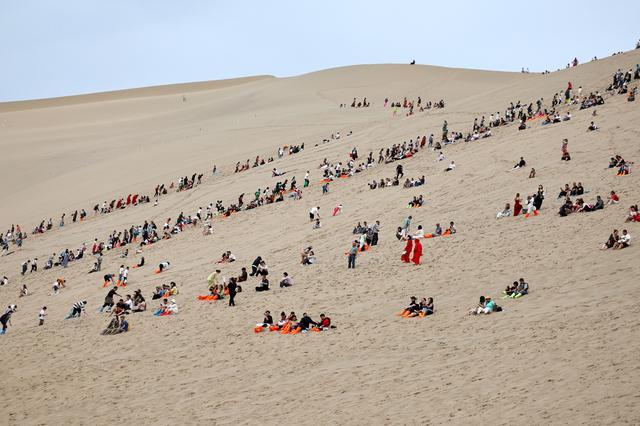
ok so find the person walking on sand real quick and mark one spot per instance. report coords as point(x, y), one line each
point(233, 288)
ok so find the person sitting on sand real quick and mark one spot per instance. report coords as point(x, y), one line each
point(263, 285)
point(613, 198)
point(305, 322)
point(504, 213)
point(283, 320)
point(286, 280)
point(452, 166)
point(276, 173)
point(243, 275)
point(308, 257)
point(325, 322)
point(424, 308)
point(611, 241)
point(592, 127)
point(511, 289)
point(139, 304)
point(23, 291)
point(267, 320)
point(623, 241)
point(522, 288)
point(485, 306)
point(634, 214)
point(412, 307)
point(532, 173)
point(520, 164)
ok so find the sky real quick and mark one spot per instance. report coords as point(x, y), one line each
point(68, 47)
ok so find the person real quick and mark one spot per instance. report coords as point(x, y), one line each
point(243, 275)
point(315, 211)
point(613, 198)
point(611, 241)
point(41, 315)
point(517, 207)
point(124, 325)
point(267, 320)
point(417, 252)
point(305, 322)
point(451, 166)
point(163, 266)
point(263, 285)
point(406, 223)
point(623, 241)
point(325, 322)
point(504, 213)
point(485, 306)
point(77, 309)
point(407, 250)
point(532, 173)
point(522, 289)
point(108, 300)
point(520, 163)
point(23, 292)
point(353, 252)
point(6, 318)
point(254, 266)
point(286, 280)
point(214, 278)
point(592, 127)
point(233, 289)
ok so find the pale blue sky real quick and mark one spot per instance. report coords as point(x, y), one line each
point(65, 47)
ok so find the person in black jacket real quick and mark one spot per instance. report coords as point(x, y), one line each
point(233, 287)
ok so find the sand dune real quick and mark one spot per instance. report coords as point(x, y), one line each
point(566, 353)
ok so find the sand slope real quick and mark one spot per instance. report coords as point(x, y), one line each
point(566, 353)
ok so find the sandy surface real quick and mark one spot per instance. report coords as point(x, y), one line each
point(565, 354)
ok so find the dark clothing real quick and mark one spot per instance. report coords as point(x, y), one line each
point(305, 322)
point(233, 287)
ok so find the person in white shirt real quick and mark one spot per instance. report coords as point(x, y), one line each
point(451, 167)
point(41, 315)
point(313, 212)
point(623, 241)
point(441, 156)
point(419, 233)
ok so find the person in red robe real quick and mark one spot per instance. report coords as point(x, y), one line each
point(517, 206)
point(128, 199)
point(417, 252)
point(407, 251)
